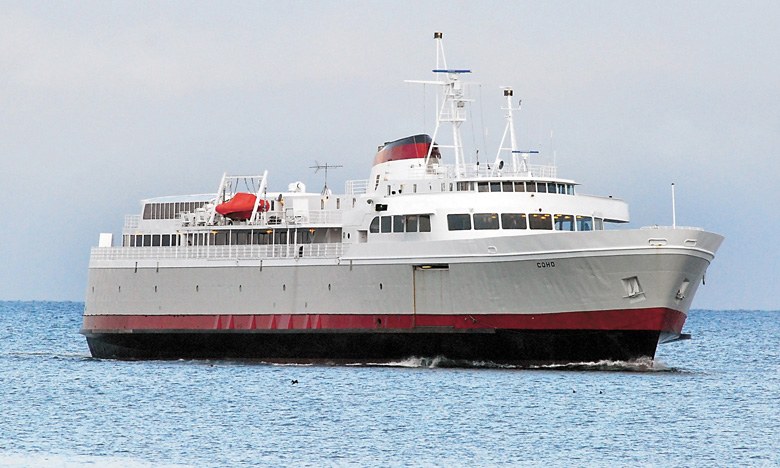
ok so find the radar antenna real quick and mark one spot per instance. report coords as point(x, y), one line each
point(317, 166)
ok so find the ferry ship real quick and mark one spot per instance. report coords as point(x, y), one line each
point(432, 256)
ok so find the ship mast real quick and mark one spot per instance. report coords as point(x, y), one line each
point(521, 166)
point(452, 109)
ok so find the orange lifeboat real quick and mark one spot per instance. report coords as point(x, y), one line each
point(240, 206)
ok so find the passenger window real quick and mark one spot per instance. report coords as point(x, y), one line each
point(458, 222)
point(398, 224)
point(599, 224)
point(374, 227)
point(507, 186)
point(485, 220)
point(386, 223)
point(541, 221)
point(584, 223)
point(564, 222)
point(425, 223)
point(513, 220)
point(411, 223)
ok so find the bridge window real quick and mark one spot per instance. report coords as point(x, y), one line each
point(458, 222)
point(599, 223)
point(507, 186)
point(398, 224)
point(564, 222)
point(584, 223)
point(513, 220)
point(541, 221)
point(373, 228)
point(411, 223)
point(541, 187)
point(425, 223)
point(495, 186)
point(519, 186)
point(482, 186)
point(486, 221)
point(386, 224)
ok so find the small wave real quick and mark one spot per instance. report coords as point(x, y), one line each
point(441, 362)
point(637, 365)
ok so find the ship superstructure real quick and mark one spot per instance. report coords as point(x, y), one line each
point(432, 255)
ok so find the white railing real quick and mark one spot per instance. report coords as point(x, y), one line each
point(356, 187)
point(320, 217)
point(450, 171)
point(131, 221)
point(219, 252)
point(489, 170)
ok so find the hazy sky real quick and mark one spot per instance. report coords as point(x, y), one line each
point(104, 103)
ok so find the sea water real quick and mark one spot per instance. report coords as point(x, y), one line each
point(713, 400)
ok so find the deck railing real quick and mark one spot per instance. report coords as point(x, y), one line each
point(219, 252)
point(131, 221)
point(469, 171)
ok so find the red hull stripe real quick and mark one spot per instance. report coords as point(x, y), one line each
point(655, 319)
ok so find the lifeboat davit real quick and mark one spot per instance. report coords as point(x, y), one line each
point(240, 206)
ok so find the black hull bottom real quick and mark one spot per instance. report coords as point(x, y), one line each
point(520, 347)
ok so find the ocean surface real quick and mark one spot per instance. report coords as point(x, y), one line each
point(713, 400)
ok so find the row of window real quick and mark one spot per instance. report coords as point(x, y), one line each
point(228, 237)
point(542, 221)
point(400, 223)
point(170, 210)
point(517, 186)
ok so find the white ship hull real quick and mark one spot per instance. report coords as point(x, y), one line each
point(565, 285)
